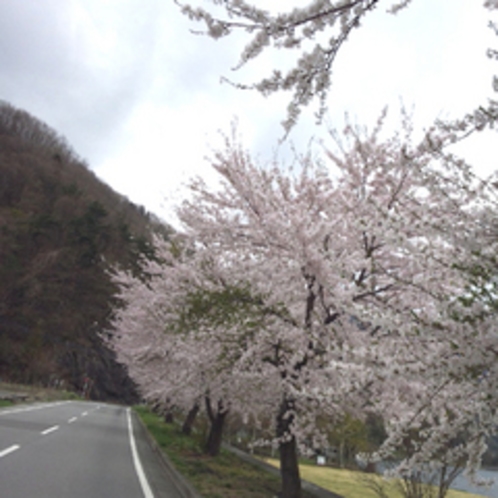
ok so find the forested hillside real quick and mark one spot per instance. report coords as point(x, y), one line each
point(60, 229)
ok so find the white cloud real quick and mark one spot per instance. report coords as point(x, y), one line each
point(140, 97)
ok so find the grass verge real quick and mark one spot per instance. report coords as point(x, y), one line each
point(351, 484)
point(37, 393)
point(224, 476)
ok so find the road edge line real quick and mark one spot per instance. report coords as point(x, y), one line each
point(136, 460)
point(182, 485)
point(9, 450)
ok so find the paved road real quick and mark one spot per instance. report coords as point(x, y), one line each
point(78, 450)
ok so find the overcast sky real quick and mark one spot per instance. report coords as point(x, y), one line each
point(139, 97)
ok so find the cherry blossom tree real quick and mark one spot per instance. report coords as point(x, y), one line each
point(164, 333)
point(327, 290)
point(381, 246)
point(315, 32)
point(441, 419)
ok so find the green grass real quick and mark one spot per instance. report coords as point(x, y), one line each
point(228, 477)
point(224, 476)
point(353, 484)
point(4, 403)
point(39, 393)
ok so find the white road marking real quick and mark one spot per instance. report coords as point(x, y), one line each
point(49, 430)
point(136, 460)
point(84, 414)
point(32, 407)
point(8, 450)
point(71, 420)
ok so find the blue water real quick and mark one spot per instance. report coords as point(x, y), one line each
point(463, 484)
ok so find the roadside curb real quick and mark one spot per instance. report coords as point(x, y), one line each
point(13, 397)
point(181, 484)
point(318, 491)
point(187, 490)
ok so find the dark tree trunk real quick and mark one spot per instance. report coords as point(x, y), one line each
point(289, 466)
point(189, 420)
point(167, 411)
point(213, 443)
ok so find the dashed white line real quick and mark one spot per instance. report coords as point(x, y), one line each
point(136, 460)
point(49, 430)
point(9, 450)
point(84, 414)
point(71, 420)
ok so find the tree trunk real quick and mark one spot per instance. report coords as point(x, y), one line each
point(289, 470)
point(213, 443)
point(189, 421)
point(289, 466)
point(168, 411)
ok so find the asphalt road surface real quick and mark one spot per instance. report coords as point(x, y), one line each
point(77, 450)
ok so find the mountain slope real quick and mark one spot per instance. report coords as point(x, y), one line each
point(60, 229)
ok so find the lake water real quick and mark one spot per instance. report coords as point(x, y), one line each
point(463, 484)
